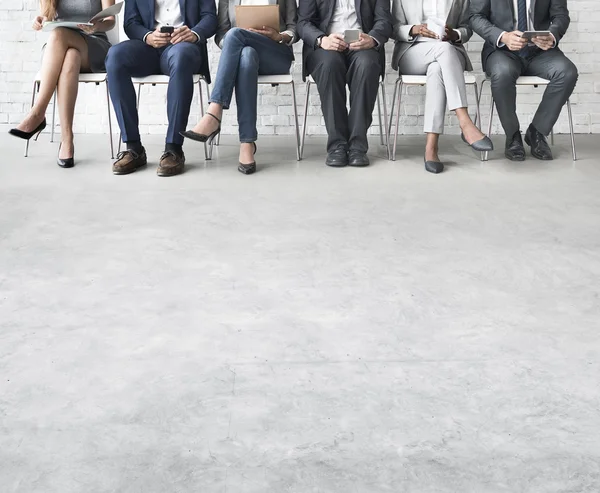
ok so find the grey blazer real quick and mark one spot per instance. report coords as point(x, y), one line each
point(407, 13)
point(226, 17)
point(490, 18)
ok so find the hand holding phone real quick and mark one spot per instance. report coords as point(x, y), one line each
point(351, 36)
point(167, 29)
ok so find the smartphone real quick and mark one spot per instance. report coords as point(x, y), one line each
point(351, 35)
point(167, 29)
point(528, 35)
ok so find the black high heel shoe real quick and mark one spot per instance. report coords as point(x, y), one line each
point(65, 163)
point(249, 168)
point(190, 134)
point(27, 135)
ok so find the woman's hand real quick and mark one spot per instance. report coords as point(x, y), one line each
point(269, 32)
point(421, 30)
point(90, 29)
point(38, 22)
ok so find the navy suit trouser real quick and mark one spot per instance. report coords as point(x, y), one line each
point(135, 58)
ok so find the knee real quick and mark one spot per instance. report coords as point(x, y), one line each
point(503, 74)
point(331, 63)
point(568, 73)
point(72, 61)
point(182, 58)
point(114, 58)
point(367, 67)
point(58, 36)
point(234, 34)
point(248, 58)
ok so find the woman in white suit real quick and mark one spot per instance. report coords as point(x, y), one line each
point(420, 51)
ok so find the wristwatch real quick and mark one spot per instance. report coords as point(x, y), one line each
point(319, 41)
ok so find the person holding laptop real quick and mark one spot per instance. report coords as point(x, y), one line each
point(165, 37)
point(333, 62)
point(247, 53)
point(506, 55)
point(430, 39)
point(67, 53)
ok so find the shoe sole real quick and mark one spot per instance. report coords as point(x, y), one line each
point(343, 165)
point(514, 158)
point(541, 158)
point(166, 175)
point(131, 171)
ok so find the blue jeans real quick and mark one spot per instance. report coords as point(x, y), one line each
point(246, 55)
point(135, 58)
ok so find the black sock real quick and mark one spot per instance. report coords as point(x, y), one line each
point(135, 146)
point(176, 148)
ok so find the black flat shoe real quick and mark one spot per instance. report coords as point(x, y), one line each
point(514, 148)
point(434, 167)
point(65, 163)
point(539, 146)
point(248, 169)
point(482, 145)
point(337, 158)
point(358, 159)
point(27, 135)
point(190, 134)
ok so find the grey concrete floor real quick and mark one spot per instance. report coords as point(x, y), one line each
point(304, 329)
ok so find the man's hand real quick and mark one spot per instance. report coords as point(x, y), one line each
point(183, 34)
point(334, 42)
point(514, 41)
point(269, 32)
point(543, 42)
point(365, 42)
point(157, 39)
point(421, 30)
point(451, 35)
point(38, 22)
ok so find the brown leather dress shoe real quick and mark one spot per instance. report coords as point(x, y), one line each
point(129, 161)
point(171, 164)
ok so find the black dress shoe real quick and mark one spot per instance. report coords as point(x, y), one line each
point(337, 158)
point(514, 148)
point(539, 146)
point(65, 163)
point(28, 135)
point(249, 168)
point(434, 166)
point(358, 159)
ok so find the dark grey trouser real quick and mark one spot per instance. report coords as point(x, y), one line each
point(504, 68)
point(332, 70)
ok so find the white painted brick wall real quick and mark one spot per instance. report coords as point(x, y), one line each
point(20, 56)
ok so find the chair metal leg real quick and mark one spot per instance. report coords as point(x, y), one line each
point(384, 103)
point(478, 107)
point(380, 122)
point(392, 109)
point(298, 156)
point(399, 85)
point(110, 132)
point(489, 133)
point(573, 149)
point(53, 117)
point(305, 117)
point(552, 137)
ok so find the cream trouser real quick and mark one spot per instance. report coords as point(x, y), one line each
point(444, 67)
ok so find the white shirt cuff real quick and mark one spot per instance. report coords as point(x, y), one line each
point(146, 35)
point(499, 43)
point(459, 35)
point(554, 38)
point(291, 35)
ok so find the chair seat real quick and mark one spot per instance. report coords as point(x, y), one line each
point(275, 79)
point(83, 78)
point(160, 79)
point(528, 80)
point(421, 80)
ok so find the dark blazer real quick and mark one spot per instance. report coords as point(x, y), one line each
point(490, 18)
point(226, 15)
point(199, 15)
point(315, 16)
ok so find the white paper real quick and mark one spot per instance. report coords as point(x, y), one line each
point(437, 26)
point(108, 12)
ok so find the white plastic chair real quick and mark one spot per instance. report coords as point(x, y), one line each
point(528, 80)
point(97, 78)
point(421, 80)
point(384, 142)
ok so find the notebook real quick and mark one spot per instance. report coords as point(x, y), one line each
point(108, 12)
point(257, 16)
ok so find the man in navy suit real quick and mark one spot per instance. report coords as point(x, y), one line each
point(179, 54)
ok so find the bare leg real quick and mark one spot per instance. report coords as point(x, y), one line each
point(469, 130)
point(431, 147)
point(207, 123)
point(68, 83)
point(59, 42)
point(246, 153)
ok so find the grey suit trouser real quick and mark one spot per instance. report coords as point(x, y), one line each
point(504, 67)
point(332, 71)
point(445, 70)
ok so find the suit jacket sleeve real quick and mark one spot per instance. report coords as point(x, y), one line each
point(463, 25)
point(224, 24)
point(401, 27)
point(132, 21)
point(480, 21)
point(291, 18)
point(308, 21)
point(559, 19)
point(207, 27)
point(382, 29)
